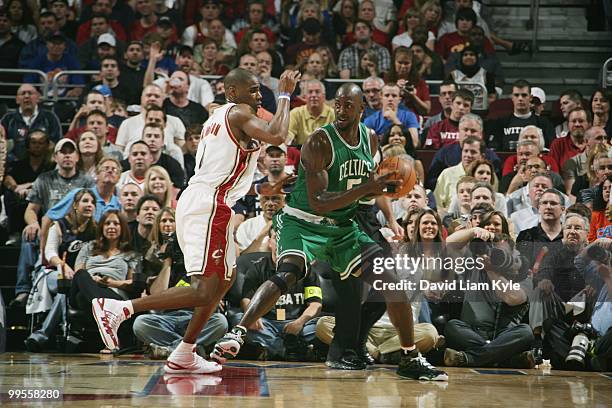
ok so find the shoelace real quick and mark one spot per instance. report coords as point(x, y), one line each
point(111, 320)
point(424, 362)
point(235, 336)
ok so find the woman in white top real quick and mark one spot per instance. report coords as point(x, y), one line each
point(64, 241)
point(21, 19)
point(67, 235)
point(412, 19)
point(471, 73)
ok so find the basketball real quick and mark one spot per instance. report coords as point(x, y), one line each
point(404, 172)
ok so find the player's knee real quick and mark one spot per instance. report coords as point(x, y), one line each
point(287, 275)
point(202, 297)
point(396, 297)
point(425, 337)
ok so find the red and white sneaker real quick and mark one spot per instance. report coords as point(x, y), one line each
point(197, 365)
point(109, 314)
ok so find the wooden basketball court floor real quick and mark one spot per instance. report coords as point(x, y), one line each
point(88, 380)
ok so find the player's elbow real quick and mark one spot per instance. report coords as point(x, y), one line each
point(318, 207)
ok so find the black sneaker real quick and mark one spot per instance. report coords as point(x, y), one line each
point(538, 355)
point(365, 356)
point(392, 358)
point(415, 367)
point(349, 361)
point(229, 345)
point(454, 358)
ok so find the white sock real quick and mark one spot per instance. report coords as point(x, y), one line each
point(184, 348)
point(408, 350)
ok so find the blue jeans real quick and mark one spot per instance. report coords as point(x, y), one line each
point(28, 256)
point(271, 335)
point(168, 328)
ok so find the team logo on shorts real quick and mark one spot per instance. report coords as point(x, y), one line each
point(217, 255)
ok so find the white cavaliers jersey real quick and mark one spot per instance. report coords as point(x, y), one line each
point(221, 163)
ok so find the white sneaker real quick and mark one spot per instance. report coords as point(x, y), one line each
point(197, 365)
point(109, 314)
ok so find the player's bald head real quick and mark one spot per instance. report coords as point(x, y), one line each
point(348, 106)
point(349, 90)
point(237, 77)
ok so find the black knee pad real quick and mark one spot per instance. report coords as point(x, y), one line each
point(285, 269)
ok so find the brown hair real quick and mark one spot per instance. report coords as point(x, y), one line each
point(73, 216)
point(156, 235)
point(486, 218)
point(476, 163)
point(99, 152)
point(101, 244)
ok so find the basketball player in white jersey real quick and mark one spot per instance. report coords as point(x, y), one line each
point(225, 165)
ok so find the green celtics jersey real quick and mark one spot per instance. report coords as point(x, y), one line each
point(349, 167)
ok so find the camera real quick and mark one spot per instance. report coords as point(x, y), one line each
point(172, 250)
point(408, 87)
point(582, 335)
point(502, 259)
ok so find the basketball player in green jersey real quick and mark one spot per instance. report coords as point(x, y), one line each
point(336, 171)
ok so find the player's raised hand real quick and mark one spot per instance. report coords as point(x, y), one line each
point(288, 81)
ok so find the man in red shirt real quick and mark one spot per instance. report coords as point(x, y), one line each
point(446, 131)
point(465, 19)
point(562, 149)
point(100, 9)
point(147, 23)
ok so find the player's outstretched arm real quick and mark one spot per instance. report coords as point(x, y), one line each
point(276, 131)
point(316, 156)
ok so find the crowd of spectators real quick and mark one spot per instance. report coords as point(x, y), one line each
point(90, 183)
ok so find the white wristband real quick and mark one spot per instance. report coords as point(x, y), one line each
point(284, 97)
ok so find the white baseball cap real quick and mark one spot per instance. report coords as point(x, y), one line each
point(107, 38)
point(538, 93)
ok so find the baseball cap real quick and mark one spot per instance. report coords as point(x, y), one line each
point(205, 2)
point(107, 38)
point(165, 20)
point(281, 148)
point(538, 93)
point(63, 142)
point(56, 37)
point(104, 90)
point(58, 1)
point(311, 26)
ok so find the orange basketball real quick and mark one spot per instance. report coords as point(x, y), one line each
point(403, 171)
